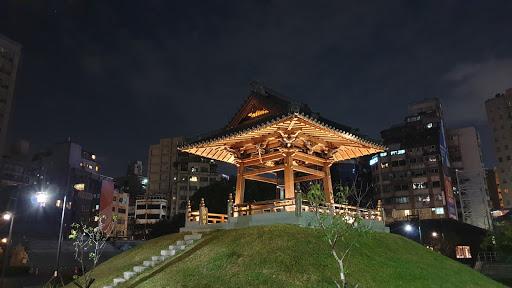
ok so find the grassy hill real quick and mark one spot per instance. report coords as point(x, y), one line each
point(291, 256)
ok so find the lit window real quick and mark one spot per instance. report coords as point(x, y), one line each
point(439, 210)
point(79, 186)
point(374, 160)
point(384, 165)
point(429, 125)
point(193, 178)
point(419, 185)
point(383, 154)
point(432, 159)
point(93, 157)
point(97, 207)
point(97, 168)
point(462, 252)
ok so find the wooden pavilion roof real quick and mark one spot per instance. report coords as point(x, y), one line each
point(267, 121)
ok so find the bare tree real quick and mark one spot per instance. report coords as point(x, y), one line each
point(341, 231)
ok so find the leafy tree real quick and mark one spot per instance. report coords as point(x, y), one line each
point(89, 243)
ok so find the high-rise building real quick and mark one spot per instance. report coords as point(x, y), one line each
point(177, 175)
point(412, 178)
point(493, 187)
point(499, 116)
point(468, 177)
point(10, 53)
point(70, 170)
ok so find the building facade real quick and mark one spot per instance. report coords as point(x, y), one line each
point(470, 179)
point(499, 116)
point(68, 169)
point(412, 177)
point(10, 54)
point(149, 210)
point(493, 187)
point(114, 207)
point(177, 175)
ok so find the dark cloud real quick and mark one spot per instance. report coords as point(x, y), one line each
point(118, 75)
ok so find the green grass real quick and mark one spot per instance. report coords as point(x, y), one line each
point(291, 256)
point(115, 266)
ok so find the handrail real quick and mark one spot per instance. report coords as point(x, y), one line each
point(274, 206)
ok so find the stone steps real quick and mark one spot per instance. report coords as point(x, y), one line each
point(172, 250)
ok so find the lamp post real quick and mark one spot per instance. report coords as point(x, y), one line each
point(8, 216)
point(409, 228)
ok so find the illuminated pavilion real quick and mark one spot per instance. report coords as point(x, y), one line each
point(270, 134)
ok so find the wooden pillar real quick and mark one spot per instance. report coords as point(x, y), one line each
point(240, 184)
point(289, 183)
point(329, 197)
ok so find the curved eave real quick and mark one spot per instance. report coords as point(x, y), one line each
point(212, 148)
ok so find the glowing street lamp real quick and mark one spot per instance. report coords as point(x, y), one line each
point(409, 228)
point(434, 234)
point(41, 198)
point(4, 240)
point(7, 216)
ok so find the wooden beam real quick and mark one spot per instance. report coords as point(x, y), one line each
point(308, 170)
point(262, 179)
point(240, 185)
point(329, 197)
point(289, 183)
point(264, 158)
point(263, 170)
point(307, 178)
point(309, 158)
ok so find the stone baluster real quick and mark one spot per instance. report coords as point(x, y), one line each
point(230, 205)
point(380, 210)
point(298, 204)
point(203, 213)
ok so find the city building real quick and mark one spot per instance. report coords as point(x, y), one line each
point(114, 207)
point(134, 184)
point(469, 178)
point(177, 175)
point(499, 116)
point(149, 210)
point(412, 178)
point(68, 169)
point(10, 53)
point(494, 189)
point(16, 166)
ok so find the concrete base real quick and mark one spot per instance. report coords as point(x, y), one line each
point(306, 219)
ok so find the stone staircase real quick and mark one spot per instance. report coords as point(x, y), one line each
point(166, 254)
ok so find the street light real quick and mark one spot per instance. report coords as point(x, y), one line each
point(41, 198)
point(410, 228)
point(434, 234)
point(7, 216)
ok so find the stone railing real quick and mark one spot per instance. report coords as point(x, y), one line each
point(203, 216)
point(275, 206)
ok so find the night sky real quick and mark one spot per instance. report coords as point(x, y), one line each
point(118, 76)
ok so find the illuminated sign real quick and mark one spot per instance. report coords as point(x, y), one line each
point(374, 160)
point(258, 113)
